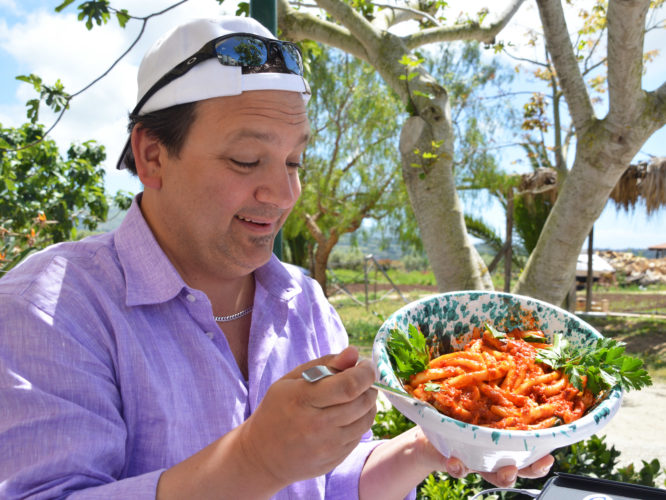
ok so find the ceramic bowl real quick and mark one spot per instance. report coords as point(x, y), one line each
point(448, 320)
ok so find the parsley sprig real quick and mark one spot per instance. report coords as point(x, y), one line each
point(604, 363)
point(408, 352)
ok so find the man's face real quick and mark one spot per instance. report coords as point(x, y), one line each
point(223, 200)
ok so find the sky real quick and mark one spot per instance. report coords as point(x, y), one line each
point(36, 39)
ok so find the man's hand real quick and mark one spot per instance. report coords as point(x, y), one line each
point(504, 477)
point(301, 429)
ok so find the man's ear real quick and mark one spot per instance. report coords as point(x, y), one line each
point(148, 157)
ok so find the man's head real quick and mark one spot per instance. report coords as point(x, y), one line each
point(220, 173)
point(202, 59)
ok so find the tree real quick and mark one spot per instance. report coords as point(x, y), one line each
point(351, 167)
point(44, 197)
point(604, 146)
point(427, 134)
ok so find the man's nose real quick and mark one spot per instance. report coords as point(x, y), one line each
point(280, 188)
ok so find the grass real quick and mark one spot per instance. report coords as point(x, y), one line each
point(361, 323)
point(398, 277)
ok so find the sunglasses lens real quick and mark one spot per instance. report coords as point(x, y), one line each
point(241, 51)
point(292, 58)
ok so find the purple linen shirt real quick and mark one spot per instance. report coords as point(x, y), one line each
point(112, 369)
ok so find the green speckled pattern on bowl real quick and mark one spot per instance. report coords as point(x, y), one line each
point(448, 320)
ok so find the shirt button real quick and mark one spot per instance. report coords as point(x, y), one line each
point(191, 297)
point(210, 335)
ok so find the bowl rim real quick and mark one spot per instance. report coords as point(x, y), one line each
point(606, 407)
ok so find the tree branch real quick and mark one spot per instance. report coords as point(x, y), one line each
point(471, 31)
point(626, 27)
point(144, 21)
point(524, 59)
point(409, 13)
point(568, 73)
point(345, 14)
point(297, 25)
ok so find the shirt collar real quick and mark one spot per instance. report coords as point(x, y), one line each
point(277, 279)
point(151, 278)
point(149, 274)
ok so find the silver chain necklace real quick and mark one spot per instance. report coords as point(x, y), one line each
point(231, 317)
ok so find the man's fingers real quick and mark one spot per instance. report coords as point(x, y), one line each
point(341, 361)
point(538, 469)
point(506, 476)
point(455, 468)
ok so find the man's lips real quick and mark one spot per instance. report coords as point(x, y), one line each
point(258, 223)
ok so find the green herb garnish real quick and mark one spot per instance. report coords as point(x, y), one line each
point(495, 332)
point(604, 364)
point(432, 387)
point(536, 339)
point(408, 351)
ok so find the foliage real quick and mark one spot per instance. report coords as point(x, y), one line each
point(439, 486)
point(594, 458)
point(597, 367)
point(45, 197)
point(529, 217)
point(408, 352)
point(415, 261)
point(390, 423)
point(476, 115)
point(351, 258)
point(351, 166)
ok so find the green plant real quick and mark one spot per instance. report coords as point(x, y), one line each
point(439, 486)
point(593, 458)
point(45, 197)
point(390, 423)
point(416, 262)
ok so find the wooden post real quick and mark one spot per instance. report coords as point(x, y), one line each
point(509, 232)
point(590, 271)
point(365, 274)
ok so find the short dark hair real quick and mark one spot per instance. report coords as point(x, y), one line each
point(169, 126)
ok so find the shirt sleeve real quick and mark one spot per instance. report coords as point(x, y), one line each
point(61, 424)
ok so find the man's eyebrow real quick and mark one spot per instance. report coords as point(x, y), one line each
point(246, 133)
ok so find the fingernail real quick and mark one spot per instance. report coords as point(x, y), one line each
point(455, 470)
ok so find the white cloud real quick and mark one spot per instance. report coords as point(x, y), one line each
point(58, 46)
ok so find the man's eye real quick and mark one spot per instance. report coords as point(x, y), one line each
point(294, 164)
point(245, 164)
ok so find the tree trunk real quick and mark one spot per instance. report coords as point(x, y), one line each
point(604, 148)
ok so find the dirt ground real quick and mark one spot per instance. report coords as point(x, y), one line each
point(637, 431)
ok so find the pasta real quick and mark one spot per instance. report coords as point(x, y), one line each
point(497, 383)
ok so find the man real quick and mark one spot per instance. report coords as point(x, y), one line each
point(164, 360)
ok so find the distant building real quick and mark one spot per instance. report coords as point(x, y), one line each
point(659, 250)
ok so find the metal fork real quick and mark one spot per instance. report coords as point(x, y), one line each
point(321, 371)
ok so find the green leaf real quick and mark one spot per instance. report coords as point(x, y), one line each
point(408, 351)
point(536, 339)
point(123, 17)
point(494, 331)
point(243, 9)
point(64, 4)
point(604, 364)
point(432, 387)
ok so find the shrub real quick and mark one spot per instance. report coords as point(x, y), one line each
point(349, 259)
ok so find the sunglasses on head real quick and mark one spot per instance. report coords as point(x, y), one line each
point(253, 53)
